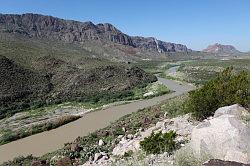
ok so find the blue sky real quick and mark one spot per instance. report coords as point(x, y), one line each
point(195, 23)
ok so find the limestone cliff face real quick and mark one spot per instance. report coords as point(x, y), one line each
point(40, 26)
point(152, 44)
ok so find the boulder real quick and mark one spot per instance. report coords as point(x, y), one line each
point(225, 136)
point(235, 110)
point(101, 142)
point(100, 157)
point(97, 157)
point(181, 125)
point(120, 137)
point(75, 147)
point(126, 145)
point(130, 136)
point(165, 115)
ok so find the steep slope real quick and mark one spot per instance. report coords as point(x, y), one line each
point(48, 27)
point(18, 84)
point(221, 49)
point(59, 81)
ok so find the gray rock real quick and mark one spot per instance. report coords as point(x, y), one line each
point(97, 157)
point(235, 110)
point(120, 136)
point(130, 136)
point(224, 137)
point(165, 114)
point(101, 142)
point(75, 147)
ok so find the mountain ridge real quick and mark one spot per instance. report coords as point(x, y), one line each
point(41, 26)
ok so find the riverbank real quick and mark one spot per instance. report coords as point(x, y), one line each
point(52, 140)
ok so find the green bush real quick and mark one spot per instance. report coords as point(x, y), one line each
point(226, 89)
point(158, 143)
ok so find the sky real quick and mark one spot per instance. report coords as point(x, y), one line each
point(195, 23)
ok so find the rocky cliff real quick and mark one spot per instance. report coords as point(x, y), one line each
point(152, 44)
point(48, 27)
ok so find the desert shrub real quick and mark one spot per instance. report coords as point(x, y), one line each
point(226, 89)
point(119, 131)
point(128, 154)
point(158, 143)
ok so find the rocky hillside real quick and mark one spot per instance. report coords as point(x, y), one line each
point(48, 27)
point(59, 81)
point(18, 82)
point(221, 49)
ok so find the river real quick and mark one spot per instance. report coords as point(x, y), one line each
point(49, 141)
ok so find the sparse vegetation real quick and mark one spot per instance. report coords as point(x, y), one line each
point(201, 71)
point(246, 119)
point(175, 107)
point(158, 143)
point(154, 67)
point(186, 157)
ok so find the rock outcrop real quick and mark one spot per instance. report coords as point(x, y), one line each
point(221, 49)
point(181, 125)
point(48, 27)
point(225, 136)
point(152, 44)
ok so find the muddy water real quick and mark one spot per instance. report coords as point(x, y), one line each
point(52, 140)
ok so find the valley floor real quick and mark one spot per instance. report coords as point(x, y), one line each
point(33, 121)
point(52, 140)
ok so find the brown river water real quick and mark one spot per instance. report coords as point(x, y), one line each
point(49, 141)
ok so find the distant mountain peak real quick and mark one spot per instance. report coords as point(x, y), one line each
point(221, 49)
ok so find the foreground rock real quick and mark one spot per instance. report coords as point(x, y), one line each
point(214, 162)
point(225, 136)
point(181, 125)
point(222, 140)
point(98, 159)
